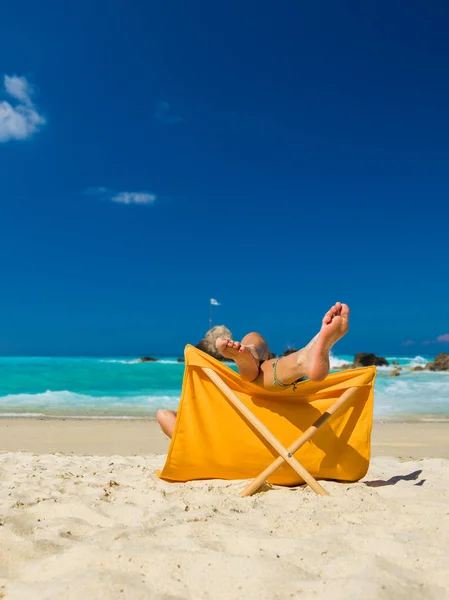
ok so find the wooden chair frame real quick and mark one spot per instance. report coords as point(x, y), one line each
point(285, 454)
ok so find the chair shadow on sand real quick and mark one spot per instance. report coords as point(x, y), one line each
point(394, 480)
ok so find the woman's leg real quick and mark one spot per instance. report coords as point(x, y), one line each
point(247, 354)
point(311, 361)
point(166, 420)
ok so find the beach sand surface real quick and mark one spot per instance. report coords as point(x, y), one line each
point(104, 526)
point(414, 439)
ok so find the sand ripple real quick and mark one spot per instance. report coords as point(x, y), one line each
point(106, 527)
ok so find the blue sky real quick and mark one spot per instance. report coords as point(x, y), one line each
point(275, 156)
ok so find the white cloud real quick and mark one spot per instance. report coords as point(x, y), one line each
point(122, 197)
point(441, 339)
point(134, 198)
point(19, 88)
point(18, 122)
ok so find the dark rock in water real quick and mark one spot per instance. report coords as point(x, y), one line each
point(344, 367)
point(181, 360)
point(364, 359)
point(418, 368)
point(207, 344)
point(395, 372)
point(289, 351)
point(395, 362)
point(441, 363)
point(148, 359)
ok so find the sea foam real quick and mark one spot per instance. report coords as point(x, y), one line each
point(51, 402)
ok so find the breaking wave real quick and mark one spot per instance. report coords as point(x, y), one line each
point(57, 402)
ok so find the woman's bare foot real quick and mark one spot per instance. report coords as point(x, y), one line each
point(315, 356)
point(244, 357)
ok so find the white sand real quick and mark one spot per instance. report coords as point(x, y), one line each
point(75, 527)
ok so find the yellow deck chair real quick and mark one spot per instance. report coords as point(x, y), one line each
point(228, 428)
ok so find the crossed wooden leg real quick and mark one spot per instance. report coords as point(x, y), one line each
point(285, 454)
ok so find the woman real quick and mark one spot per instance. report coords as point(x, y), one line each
point(251, 356)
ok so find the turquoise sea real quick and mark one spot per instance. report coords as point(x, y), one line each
point(127, 388)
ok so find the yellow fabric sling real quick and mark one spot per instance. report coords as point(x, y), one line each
point(213, 441)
